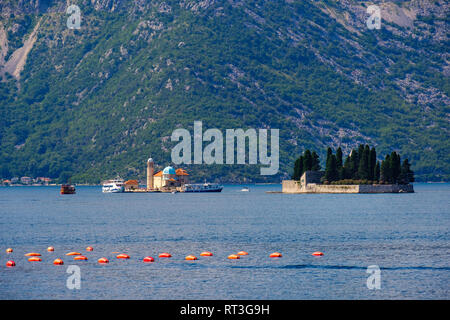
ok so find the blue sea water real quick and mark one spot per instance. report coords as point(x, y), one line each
point(406, 235)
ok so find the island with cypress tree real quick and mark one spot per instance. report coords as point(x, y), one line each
point(360, 172)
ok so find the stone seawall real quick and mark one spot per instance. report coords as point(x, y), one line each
point(292, 186)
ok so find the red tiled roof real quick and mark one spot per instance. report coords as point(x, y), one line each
point(158, 174)
point(181, 172)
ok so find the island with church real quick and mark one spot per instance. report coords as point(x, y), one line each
point(167, 180)
point(361, 172)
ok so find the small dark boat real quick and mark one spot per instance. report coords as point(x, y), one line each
point(67, 189)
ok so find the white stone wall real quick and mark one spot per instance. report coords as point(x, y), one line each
point(293, 186)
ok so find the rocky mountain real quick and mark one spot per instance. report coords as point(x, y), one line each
point(97, 101)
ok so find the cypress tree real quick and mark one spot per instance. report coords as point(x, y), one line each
point(406, 174)
point(329, 154)
point(346, 170)
point(296, 175)
point(372, 164)
point(376, 174)
point(363, 168)
point(339, 158)
point(315, 161)
point(328, 163)
point(354, 157)
point(301, 169)
point(331, 173)
point(386, 172)
point(360, 151)
point(395, 167)
point(307, 161)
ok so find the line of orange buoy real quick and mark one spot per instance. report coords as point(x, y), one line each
point(34, 256)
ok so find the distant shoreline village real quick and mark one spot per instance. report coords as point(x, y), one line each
point(360, 173)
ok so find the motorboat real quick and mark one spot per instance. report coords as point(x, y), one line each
point(114, 186)
point(202, 187)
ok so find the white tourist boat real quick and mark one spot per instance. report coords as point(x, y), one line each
point(202, 187)
point(245, 189)
point(113, 186)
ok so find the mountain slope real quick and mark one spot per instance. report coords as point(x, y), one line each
point(96, 102)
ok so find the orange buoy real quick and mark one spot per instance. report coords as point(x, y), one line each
point(58, 262)
point(123, 256)
point(317, 253)
point(242, 253)
point(149, 259)
point(32, 254)
point(73, 254)
point(276, 255)
point(50, 249)
point(9, 250)
point(103, 260)
point(233, 256)
point(165, 255)
point(206, 254)
point(10, 263)
point(190, 257)
point(89, 249)
point(80, 258)
point(34, 259)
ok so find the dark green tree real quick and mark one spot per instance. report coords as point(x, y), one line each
point(329, 154)
point(386, 171)
point(347, 170)
point(363, 168)
point(372, 164)
point(376, 173)
point(406, 174)
point(307, 160)
point(298, 166)
point(339, 164)
point(339, 158)
point(331, 172)
point(395, 166)
point(354, 157)
point(315, 162)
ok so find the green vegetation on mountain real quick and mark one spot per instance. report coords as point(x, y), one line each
point(96, 102)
